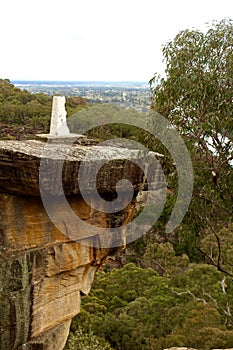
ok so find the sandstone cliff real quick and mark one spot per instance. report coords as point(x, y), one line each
point(45, 270)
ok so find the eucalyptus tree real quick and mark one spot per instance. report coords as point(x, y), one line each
point(196, 95)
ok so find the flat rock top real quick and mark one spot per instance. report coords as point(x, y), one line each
point(68, 152)
point(21, 163)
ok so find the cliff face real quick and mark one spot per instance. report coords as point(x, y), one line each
point(45, 270)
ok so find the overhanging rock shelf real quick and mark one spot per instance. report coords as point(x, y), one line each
point(45, 270)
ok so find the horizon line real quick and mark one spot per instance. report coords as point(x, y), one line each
point(81, 81)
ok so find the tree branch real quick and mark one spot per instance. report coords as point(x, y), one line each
point(219, 267)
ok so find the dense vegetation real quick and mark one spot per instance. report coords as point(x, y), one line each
point(135, 308)
point(172, 303)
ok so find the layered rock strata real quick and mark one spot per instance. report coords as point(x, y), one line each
point(45, 269)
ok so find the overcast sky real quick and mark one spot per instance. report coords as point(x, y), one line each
point(95, 39)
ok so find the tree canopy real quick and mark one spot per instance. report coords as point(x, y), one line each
point(196, 96)
point(135, 308)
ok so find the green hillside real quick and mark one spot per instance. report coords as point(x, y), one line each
point(23, 114)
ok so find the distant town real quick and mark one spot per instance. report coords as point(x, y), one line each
point(124, 94)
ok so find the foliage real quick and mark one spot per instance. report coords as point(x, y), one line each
point(197, 93)
point(85, 341)
point(196, 97)
point(99, 114)
point(136, 308)
point(217, 248)
point(162, 257)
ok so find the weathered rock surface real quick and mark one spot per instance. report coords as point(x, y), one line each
point(44, 271)
point(21, 162)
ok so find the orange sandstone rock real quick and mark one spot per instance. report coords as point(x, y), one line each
point(45, 269)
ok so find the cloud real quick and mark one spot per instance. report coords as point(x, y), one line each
point(90, 40)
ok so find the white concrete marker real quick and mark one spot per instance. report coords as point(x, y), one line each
point(58, 124)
